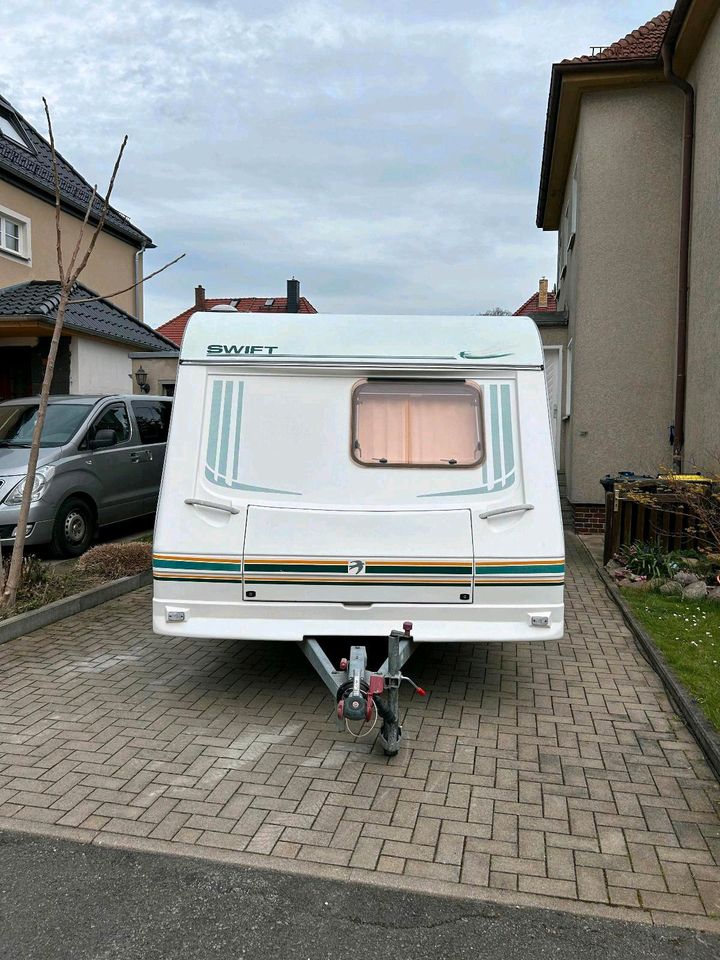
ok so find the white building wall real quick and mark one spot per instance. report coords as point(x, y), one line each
point(97, 367)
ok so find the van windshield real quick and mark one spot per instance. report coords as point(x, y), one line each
point(62, 421)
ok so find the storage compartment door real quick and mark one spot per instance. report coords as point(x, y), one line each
point(347, 556)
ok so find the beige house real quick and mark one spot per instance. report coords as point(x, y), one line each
point(94, 353)
point(630, 183)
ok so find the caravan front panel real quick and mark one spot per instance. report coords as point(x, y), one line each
point(298, 502)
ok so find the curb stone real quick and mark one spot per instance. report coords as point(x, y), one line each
point(707, 737)
point(25, 623)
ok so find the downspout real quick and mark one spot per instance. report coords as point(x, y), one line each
point(137, 278)
point(684, 255)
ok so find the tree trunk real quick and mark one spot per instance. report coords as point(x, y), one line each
point(9, 595)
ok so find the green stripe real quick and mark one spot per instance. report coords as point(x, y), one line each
point(214, 428)
point(495, 433)
point(238, 423)
point(225, 431)
point(371, 568)
point(359, 582)
point(196, 565)
point(480, 569)
point(507, 429)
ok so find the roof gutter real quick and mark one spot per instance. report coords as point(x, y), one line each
point(559, 70)
point(678, 433)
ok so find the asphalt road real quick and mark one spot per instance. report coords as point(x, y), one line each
point(66, 900)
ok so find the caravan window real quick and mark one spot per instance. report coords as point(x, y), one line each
point(417, 423)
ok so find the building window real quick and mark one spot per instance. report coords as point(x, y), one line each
point(167, 387)
point(568, 226)
point(14, 234)
point(417, 423)
point(9, 129)
point(571, 209)
point(568, 377)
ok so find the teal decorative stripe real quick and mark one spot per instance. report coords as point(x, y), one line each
point(222, 460)
point(356, 582)
point(252, 566)
point(536, 568)
point(198, 564)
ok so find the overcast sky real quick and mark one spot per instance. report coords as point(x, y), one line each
point(387, 154)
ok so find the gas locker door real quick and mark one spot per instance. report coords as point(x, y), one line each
point(353, 556)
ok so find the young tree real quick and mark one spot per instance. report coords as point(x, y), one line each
point(68, 276)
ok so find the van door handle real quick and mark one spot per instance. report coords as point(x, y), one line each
point(213, 506)
point(519, 508)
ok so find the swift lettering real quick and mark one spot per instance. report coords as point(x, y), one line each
point(234, 350)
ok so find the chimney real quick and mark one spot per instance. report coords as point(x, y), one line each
point(543, 294)
point(199, 298)
point(293, 295)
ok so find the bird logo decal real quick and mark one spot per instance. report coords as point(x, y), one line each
point(356, 567)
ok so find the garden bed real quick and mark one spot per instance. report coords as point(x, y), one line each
point(43, 583)
point(687, 632)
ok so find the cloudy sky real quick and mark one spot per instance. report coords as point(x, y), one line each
point(385, 153)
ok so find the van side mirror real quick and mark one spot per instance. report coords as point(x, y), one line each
point(102, 439)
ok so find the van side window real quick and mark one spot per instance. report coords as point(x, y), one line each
point(153, 420)
point(115, 418)
point(417, 423)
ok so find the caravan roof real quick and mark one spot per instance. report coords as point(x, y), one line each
point(363, 340)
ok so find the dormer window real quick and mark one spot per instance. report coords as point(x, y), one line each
point(9, 129)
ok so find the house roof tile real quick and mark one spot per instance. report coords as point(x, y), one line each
point(101, 318)
point(175, 328)
point(33, 168)
point(532, 305)
point(641, 44)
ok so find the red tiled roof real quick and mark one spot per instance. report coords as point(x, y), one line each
point(175, 328)
point(641, 44)
point(532, 305)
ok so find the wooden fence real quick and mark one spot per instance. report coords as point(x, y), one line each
point(666, 521)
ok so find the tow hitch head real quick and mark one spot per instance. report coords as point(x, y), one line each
point(361, 693)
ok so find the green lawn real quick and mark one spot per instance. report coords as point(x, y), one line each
point(688, 633)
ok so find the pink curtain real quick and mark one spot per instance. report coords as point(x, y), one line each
point(417, 423)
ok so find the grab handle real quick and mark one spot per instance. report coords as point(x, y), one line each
point(213, 506)
point(520, 507)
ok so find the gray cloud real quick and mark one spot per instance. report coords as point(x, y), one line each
point(387, 154)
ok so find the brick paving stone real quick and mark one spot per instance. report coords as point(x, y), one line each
point(547, 769)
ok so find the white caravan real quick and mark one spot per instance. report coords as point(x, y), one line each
point(333, 476)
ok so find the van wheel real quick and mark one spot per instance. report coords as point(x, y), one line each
point(73, 529)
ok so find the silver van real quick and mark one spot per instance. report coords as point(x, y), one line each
point(100, 462)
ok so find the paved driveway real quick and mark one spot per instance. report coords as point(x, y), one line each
point(540, 774)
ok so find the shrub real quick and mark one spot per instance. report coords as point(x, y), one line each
point(646, 560)
point(114, 560)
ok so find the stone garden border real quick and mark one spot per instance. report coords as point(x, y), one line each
point(24, 623)
point(708, 739)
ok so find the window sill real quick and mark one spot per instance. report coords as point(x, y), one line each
point(16, 257)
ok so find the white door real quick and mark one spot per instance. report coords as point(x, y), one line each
point(554, 392)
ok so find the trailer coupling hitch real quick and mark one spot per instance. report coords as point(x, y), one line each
point(361, 693)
